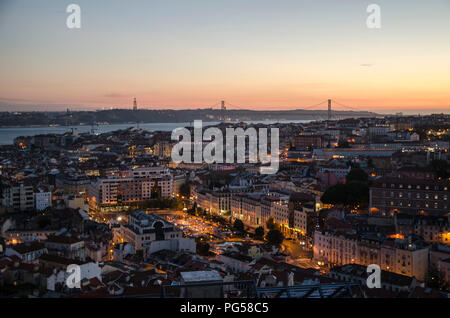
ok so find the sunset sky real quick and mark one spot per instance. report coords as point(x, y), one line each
point(256, 54)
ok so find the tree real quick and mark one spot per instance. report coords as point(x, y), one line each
point(357, 194)
point(350, 194)
point(274, 237)
point(43, 221)
point(441, 168)
point(259, 233)
point(203, 248)
point(357, 174)
point(271, 224)
point(185, 189)
point(436, 279)
point(238, 225)
point(336, 194)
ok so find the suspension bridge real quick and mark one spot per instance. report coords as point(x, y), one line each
point(329, 109)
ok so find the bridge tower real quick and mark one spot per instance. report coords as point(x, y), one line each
point(329, 109)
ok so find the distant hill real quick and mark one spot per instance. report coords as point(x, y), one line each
point(121, 116)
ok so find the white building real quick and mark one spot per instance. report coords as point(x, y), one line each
point(69, 247)
point(27, 252)
point(379, 130)
point(175, 245)
point(42, 199)
point(143, 228)
point(339, 171)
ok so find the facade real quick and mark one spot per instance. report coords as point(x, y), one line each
point(379, 130)
point(399, 256)
point(220, 202)
point(175, 245)
point(68, 247)
point(281, 215)
point(14, 236)
point(142, 184)
point(73, 185)
point(251, 211)
point(43, 200)
point(88, 270)
point(434, 230)
point(27, 252)
point(201, 277)
point(300, 219)
point(306, 141)
point(417, 196)
point(351, 153)
point(143, 228)
point(255, 210)
point(339, 172)
point(358, 273)
point(19, 198)
point(237, 263)
point(214, 202)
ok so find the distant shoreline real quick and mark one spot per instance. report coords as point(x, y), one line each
point(143, 116)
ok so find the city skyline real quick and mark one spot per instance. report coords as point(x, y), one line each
point(261, 56)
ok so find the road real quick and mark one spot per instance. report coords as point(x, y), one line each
point(194, 226)
point(298, 256)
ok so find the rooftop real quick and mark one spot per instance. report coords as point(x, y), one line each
point(200, 276)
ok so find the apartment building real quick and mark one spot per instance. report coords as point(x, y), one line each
point(214, 202)
point(281, 215)
point(433, 229)
point(267, 204)
point(336, 249)
point(142, 184)
point(306, 141)
point(203, 199)
point(300, 221)
point(19, 236)
point(19, 198)
point(251, 211)
point(340, 171)
point(255, 210)
point(403, 257)
point(43, 199)
point(415, 196)
point(220, 202)
point(73, 185)
point(69, 247)
point(379, 130)
point(28, 252)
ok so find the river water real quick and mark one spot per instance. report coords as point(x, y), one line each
point(7, 135)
